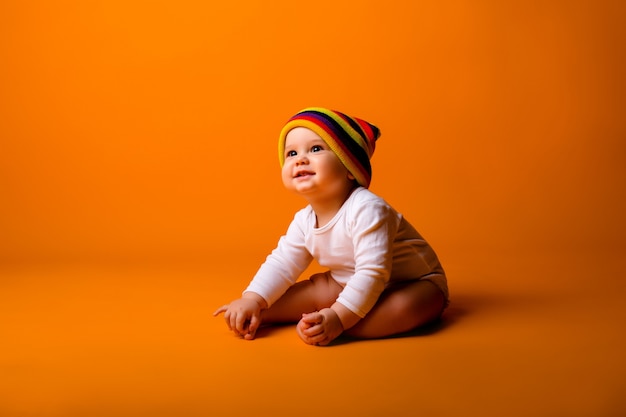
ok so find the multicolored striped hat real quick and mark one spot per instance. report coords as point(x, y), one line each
point(353, 140)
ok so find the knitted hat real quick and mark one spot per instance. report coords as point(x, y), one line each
point(353, 140)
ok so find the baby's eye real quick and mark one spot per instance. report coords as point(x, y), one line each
point(291, 153)
point(316, 148)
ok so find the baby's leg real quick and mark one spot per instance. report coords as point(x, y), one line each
point(313, 294)
point(401, 308)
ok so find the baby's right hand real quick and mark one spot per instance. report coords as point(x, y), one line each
point(242, 316)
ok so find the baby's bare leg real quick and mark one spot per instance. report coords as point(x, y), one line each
point(314, 294)
point(400, 309)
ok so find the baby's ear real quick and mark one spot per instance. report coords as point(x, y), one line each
point(350, 176)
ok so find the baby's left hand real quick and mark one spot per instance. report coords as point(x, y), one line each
point(320, 327)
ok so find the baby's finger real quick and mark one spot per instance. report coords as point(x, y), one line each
point(253, 326)
point(313, 331)
point(312, 318)
point(319, 339)
point(232, 321)
point(241, 323)
point(324, 342)
point(220, 310)
point(227, 317)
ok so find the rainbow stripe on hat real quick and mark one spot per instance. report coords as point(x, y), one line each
point(353, 140)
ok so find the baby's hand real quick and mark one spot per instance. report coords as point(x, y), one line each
point(320, 327)
point(242, 316)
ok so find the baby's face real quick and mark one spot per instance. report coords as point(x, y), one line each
point(311, 168)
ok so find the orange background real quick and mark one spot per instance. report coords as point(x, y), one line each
point(143, 133)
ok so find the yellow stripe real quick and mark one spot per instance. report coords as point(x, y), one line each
point(344, 125)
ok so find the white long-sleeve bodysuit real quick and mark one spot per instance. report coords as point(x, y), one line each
point(366, 247)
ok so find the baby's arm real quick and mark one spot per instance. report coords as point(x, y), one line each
point(243, 316)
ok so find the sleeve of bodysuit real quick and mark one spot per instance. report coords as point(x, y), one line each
point(373, 228)
point(284, 264)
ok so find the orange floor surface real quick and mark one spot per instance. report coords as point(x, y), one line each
point(86, 340)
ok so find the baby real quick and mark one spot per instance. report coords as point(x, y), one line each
point(383, 278)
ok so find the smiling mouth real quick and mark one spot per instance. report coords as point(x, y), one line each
point(303, 174)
